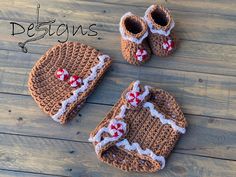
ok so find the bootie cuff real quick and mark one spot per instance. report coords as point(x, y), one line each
point(152, 22)
point(127, 22)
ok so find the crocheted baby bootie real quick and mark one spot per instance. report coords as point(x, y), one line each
point(161, 38)
point(63, 78)
point(140, 131)
point(134, 46)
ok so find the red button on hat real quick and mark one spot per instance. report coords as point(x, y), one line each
point(62, 74)
point(75, 81)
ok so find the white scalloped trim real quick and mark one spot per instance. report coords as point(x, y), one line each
point(123, 108)
point(106, 140)
point(136, 147)
point(81, 89)
point(152, 28)
point(122, 112)
point(162, 118)
point(130, 38)
point(137, 89)
point(97, 137)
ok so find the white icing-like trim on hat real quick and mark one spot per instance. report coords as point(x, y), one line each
point(83, 88)
point(130, 38)
point(151, 26)
point(136, 147)
point(162, 118)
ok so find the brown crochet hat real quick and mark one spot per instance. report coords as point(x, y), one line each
point(64, 76)
point(140, 131)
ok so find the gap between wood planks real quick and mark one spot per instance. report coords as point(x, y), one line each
point(199, 155)
point(198, 97)
point(176, 150)
point(144, 66)
point(202, 138)
point(165, 3)
point(175, 63)
point(25, 173)
point(115, 61)
point(212, 28)
point(183, 8)
point(104, 104)
point(116, 32)
point(81, 159)
point(179, 153)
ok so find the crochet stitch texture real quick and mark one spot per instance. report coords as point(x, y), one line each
point(56, 97)
point(150, 123)
point(161, 38)
point(134, 32)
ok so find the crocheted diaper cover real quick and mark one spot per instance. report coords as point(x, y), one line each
point(140, 131)
point(64, 76)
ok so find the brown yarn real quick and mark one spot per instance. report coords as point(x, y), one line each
point(49, 92)
point(134, 26)
point(143, 129)
point(160, 18)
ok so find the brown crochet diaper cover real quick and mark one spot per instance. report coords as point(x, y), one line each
point(140, 131)
point(64, 76)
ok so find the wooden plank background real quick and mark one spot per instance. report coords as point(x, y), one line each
point(201, 74)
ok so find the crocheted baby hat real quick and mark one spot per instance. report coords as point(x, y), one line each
point(140, 131)
point(161, 37)
point(134, 46)
point(64, 76)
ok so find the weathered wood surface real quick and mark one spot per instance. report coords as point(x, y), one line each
point(69, 158)
point(219, 134)
point(198, 46)
point(10, 173)
point(201, 75)
point(198, 93)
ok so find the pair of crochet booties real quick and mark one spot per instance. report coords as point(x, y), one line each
point(140, 37)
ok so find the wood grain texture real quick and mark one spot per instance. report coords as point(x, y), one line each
point(197, 93)
point(15, 173)
point(190, 56)
point(201, 75)
point(78, 159)
point(204, 6)
point(206, 136)
point(107, 17)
